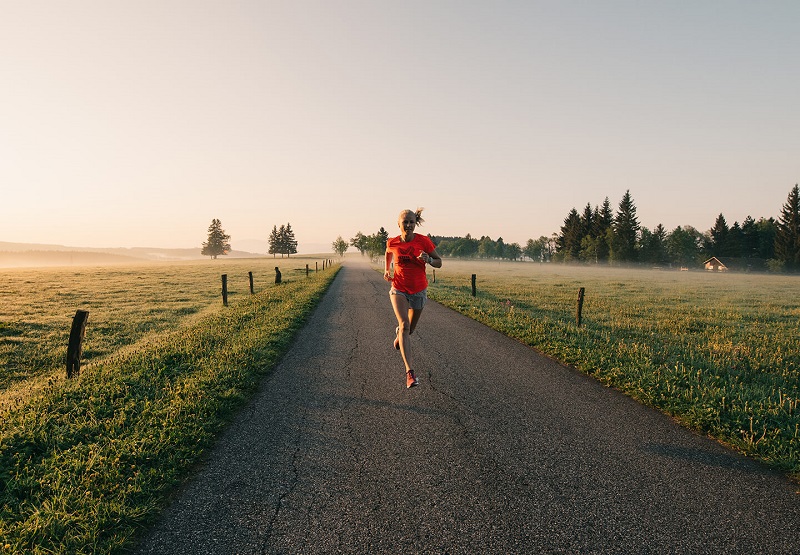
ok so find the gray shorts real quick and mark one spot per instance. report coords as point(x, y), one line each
point(415, 301)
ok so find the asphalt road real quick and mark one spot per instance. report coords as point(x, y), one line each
point(499, 450)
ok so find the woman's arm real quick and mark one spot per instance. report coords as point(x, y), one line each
point(387, 265)
point(434, 259)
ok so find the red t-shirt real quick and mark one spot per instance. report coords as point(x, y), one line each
point(409, 270)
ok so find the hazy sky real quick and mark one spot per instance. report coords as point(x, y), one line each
point(135, 123)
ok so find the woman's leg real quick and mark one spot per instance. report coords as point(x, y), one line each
point(413, 318)
point(403, 315)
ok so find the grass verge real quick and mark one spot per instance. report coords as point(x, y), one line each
point(86, 463)
point(720, 353)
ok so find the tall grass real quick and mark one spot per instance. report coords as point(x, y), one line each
point(720, 352)
point(85, 463)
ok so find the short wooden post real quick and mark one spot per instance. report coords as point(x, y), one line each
point(75, 345)
point(579, 311)
point(434, 276)
point(306, 270)
point(473, 285)
point(316, 267)
point(250, 275)
point(277, 275)
point(224, 289)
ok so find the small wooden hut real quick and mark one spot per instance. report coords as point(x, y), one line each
point(714, 264)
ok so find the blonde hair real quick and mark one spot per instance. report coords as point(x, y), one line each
point(417, 215)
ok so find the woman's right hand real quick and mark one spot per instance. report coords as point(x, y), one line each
point(386, 276)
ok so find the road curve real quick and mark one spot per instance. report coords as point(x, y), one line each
point(499, 450)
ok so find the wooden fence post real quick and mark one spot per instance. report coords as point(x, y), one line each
point(277, 275)
point(434, 275)
point(306, 270)
point(224, 289)
point(75, 345)
point(473, 285)
point(579, 311)
point(316, 267)
point(250, 275)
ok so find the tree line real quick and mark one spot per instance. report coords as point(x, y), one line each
point(602, 235)
point(281, 241)
point(372, 245)
point(599, 236)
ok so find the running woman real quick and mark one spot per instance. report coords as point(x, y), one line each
point(410, 252)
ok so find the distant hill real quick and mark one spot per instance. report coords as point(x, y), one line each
point(17, 255)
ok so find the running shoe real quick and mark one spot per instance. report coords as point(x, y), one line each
point(411, 379)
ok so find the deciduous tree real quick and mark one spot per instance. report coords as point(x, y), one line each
point(534, 249)
point(359, 242)
point(513, 251)
point(340, 246)
point(683, 245)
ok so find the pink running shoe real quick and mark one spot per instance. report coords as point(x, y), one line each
point(411, 379)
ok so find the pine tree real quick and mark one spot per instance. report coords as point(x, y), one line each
point(749, 246)
point(787, 236)
point(281, 248)
point(767, 230)
point(288, 241)
point(653, 245)
point(587, 221)
point(719, 237)
point(625, 231)
point(569, 241)
point(383, 236)
point(217, 241)
point(601, 223)
point(733, 246)
point(274, 242)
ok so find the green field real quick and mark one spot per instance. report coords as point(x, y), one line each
point(86, 463)
point(718, 351)
point(125, 304)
